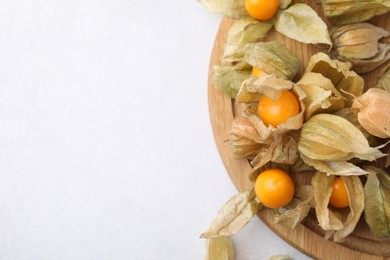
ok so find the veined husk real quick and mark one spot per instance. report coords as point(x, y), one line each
point(273, 58)
point(384, 79)
point(269, 85)
point(300, 22)
point(377, 202)
point(292, 214)
point(341, 223)
point(366, 65)
point(373, 112)
point(340, 73)
point(357, 41)
point(242, 33)
point(353, 11)
point(229, 78)
point(234, 215)
point(250, 138)
point(347, 113)
point(321, 95)
point(228, 8)
point(220, 248)
point(328, 137)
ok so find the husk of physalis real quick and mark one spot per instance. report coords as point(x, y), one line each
point(373, 111)
point(250, 138)
point(384, 79)
point(377, 202)
point(328, 141)
point(337, 223)
point(347, 82)
point(292, 214)
point(321, 95)
point(357, 41)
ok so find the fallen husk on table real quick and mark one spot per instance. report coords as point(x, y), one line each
point(346, 81)
point(377, 202)
point(353, 11)
point(228, 8)
point(292, 214)
point(373, 112)
point(357, 41)
point(340, 223)
point(220, 248)
point(234, 215)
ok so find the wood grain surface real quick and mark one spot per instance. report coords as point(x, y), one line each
point(308, 236)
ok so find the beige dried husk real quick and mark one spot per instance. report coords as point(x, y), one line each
point(292, 214)
point(357, 41)
point(346, 81)
point(377, 202)
point(250, 138)
point(273, 58)
point(353, 11)
point(220, 248)
point(234, 215)
point(328, 137)
point(373, 112)
point(321, 95)
point(341, 223)
point(384, 79)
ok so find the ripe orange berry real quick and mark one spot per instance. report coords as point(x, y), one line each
point(275, 112)
point(274, 188)
point(262, 9)
point(256, 72)
point(339, 197)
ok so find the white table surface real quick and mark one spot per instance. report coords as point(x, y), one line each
point(106, 149)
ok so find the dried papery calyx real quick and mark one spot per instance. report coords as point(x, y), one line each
point(273, 58)
point(338, 224)
point(353, 11)
point(346, 81)
point(373, 112)
point(328, 137)
point(384, 79)
point(377, 202)
point(321, 95)
point(219, 248)
point(357, 41)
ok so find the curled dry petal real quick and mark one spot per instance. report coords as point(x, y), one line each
point(353, 11)
point(234, 215)
point(340, 73)
point(321, 95)
point(221, 248)
point(339, 224)
point(373, 112)
point(329, 137)
point(291, 215)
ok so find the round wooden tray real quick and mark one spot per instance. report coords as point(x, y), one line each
point(308, 236)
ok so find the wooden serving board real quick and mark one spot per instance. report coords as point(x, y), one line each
point(308, 236)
